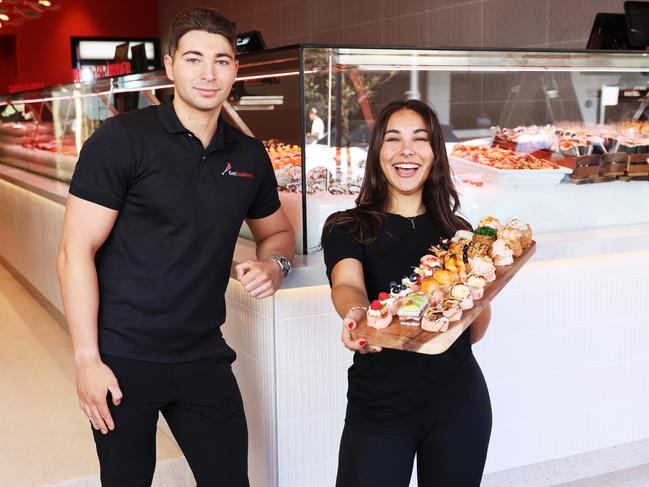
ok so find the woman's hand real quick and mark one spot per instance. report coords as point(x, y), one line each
point(350, 322)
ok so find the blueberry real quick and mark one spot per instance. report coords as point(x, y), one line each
point(394, 290)
point(402, 287)
point(393, 284)
point(445, 243)
point(413, 277)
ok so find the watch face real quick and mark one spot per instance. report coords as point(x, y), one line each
point(283, 263)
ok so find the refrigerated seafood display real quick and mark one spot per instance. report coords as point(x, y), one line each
point(630, 137)
point(519, 125)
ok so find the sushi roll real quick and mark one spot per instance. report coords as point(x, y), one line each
point(502, 252)
point(434, 321)
point(476, 284)
point(524, 228)
point(451, 309)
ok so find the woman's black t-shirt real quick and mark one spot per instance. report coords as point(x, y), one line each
point(392, 383)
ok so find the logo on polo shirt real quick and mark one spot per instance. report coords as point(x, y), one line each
point(228, 170)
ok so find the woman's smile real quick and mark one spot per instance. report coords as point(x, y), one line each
point(406, 169)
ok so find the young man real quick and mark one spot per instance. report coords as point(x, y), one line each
point(155, 206)
point(317, 127)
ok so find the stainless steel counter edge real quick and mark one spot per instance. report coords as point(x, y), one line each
point(51, 189)
point(309, 270)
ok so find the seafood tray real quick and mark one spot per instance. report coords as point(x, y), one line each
point(509, 177)
point(415, 339)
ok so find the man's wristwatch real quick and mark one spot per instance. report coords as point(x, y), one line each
point(282, 262)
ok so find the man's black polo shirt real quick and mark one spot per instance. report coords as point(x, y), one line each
point(164, 268)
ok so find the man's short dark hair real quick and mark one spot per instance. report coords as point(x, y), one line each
point(205, 19)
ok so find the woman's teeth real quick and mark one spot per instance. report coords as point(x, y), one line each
point(405, 169)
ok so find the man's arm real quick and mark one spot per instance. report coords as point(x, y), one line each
point(85, 228)
point(274, 236)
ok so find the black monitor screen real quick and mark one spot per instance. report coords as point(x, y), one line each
point(609, 32)
point(250, 41)
point(138, 58)
point(121, 52)
point(637, 19)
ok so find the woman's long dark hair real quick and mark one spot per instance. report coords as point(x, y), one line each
point(439, 195)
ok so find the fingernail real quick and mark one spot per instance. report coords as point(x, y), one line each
point(350, 325)
point(362, 343)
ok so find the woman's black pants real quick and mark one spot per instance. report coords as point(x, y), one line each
point(449, 435)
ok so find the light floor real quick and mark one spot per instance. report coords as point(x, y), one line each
point(631, 477)
point(45, 439)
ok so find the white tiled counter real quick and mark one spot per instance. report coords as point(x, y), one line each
point(566, 359)
point(566, 356)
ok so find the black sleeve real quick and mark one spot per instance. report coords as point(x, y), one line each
point(105, 166)
point(267, 200)
point(339, 244)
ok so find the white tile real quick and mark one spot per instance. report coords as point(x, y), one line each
point(307, 301)
point(310, 441)
point(309, 341)
point(262, 453)
point(311, 391)
point(322, 475)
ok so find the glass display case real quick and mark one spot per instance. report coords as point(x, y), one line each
point(526, 131)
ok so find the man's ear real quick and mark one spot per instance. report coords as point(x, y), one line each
point(169, 60)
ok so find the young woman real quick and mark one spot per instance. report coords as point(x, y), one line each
point(404, 404)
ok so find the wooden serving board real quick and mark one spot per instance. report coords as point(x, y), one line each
point(415, 339)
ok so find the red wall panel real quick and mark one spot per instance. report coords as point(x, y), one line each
point(7, 62)
point(43, 52)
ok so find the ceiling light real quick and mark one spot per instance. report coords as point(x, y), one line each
point(45, 3)
point(4, 17)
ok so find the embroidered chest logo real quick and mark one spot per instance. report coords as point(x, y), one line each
point(229, 172)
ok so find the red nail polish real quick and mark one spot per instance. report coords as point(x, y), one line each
point(350, 325)
point(362, 343)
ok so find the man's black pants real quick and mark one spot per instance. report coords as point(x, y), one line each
point(202, 405)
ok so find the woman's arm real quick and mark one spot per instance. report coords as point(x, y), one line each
point(349, 297)
point(480, 324)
